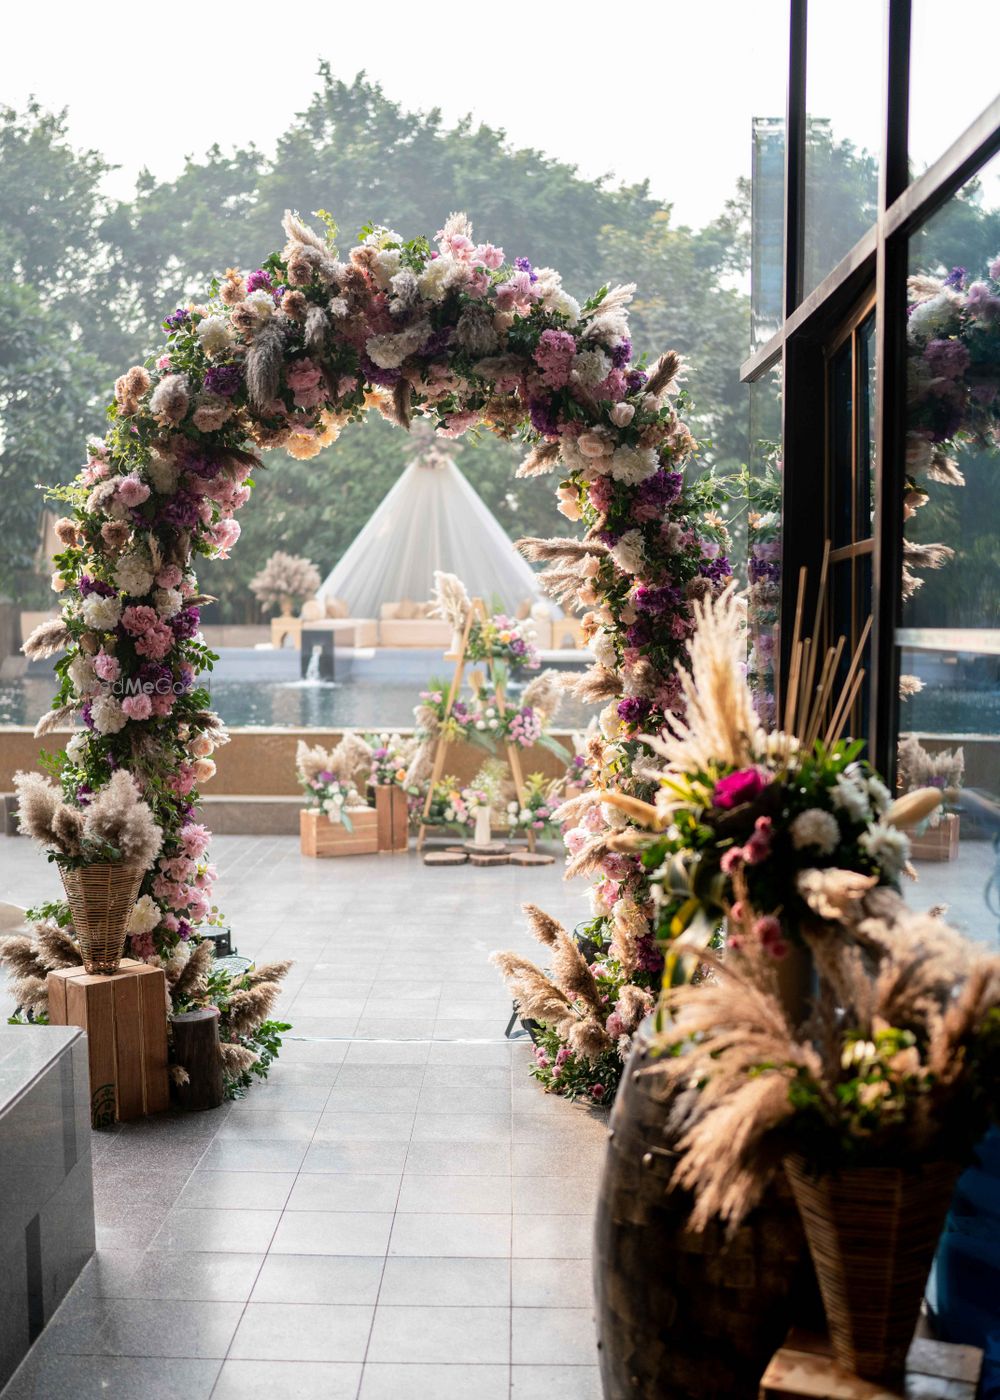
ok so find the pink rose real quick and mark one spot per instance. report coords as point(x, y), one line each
point(224, 535)
point(622, 414)
point(204, 768)
point(305, 379)
point(137, 706)
point(132, 491)
point(742, 786)
point(201, 746)
point(107, 667)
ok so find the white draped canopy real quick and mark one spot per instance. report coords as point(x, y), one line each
point(431, 519)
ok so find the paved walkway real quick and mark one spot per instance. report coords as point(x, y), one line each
point(399, 1213)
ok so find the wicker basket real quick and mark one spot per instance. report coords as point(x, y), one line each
point(872, 1232)
point(101, 898)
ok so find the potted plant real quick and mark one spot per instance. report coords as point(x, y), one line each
point(871, 1105)
point(103, 843)
point(286, 579)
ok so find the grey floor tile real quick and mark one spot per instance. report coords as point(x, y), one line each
point(461, 1127)
point(108, 1272)
point(313, 1052)
point(253, 1157)
point(555, 1383)
point(301, 1097)
point(456, 1236)
point(571, 1159)
point(288, 1380)
point(458, 1158)
point(354, 1076)
point(302, 1332)
point(375, 1052)
point(555, 1195)
point(484, 1195)
point(551, 1283)
point(229, 1190)
point(552, 1337)
point(228, 1231)
point(445, 1282)
point(386, 1381)
point(269, 1125)
point(345, 1126)
point(450, 1054)
point(553, 1236)
point(470, 1098)
point(53, 1377)
point(429, 1334)
point(365, 1098)
point(159, 1327)
point(459, 1076)
point(357, 1158)
point(332, 1232)
point(340, 1191)
point(318, 1278)
point(194, 1277)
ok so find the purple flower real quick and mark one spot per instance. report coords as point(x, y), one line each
point(761, 570)
point(88, 585)
point(375, 375)
point(524, 265)
point(258, 280)
point(223, 380)
point(946, 359)
point(955, 278)
point(181, 510)
point(174, 322)
point(184, 624)
point(83, 794)
point(635, 379)
point(326, 776)
point(655, 494)
point(543, 417)
point(86, 716)
point(621, 354)
point(437, 342)
point(633, 709)
point(715, 569)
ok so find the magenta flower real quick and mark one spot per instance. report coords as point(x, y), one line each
point(742, 786)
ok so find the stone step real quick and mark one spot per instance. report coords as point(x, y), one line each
point(248, 815)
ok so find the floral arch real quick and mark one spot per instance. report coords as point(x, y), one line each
point(285, 357)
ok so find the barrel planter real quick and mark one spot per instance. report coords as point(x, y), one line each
point(681, 1314)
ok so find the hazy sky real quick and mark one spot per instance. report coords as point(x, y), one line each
point(668, 95)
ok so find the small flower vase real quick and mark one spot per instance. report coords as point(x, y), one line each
point(101, 898)
point(287, 605)
point(483, 830)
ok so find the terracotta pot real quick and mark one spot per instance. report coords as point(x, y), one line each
point(101, 898)
point(685, 1316)
point(872, 1233)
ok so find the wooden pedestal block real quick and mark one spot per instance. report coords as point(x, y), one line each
point(393, 818)
point(125, 1018)
point(937, 842)
point(804, 1369)
point(321, 837)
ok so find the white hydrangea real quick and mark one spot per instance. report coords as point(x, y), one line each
point(389, 351)
point(590, 367)
point(215, 334)
point(162, 474)
point(168, 601)
point(380, 236)
point(107, 715)
point(609, 721)
point(82, 674)
point(145, 916)
point(851, 797)
point(261, 304)
point(880, 795)
point(386, 265)
point(888, 847)
point(439, 276)
point(101, 613)
point(937, 316)
point(632, 464)
point(628, 553)
point(561, 303)
point(816, 829)
point(133, 576)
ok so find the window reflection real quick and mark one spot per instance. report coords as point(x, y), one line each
point(763, 502)
point(950, 640)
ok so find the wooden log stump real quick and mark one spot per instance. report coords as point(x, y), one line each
point(196, 1050)
point(446, 858)
point(125, 1017)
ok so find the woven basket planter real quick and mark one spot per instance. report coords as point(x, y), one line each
point(101, 898)
point(872, 1233)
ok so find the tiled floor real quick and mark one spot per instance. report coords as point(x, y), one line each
point(399, 1213)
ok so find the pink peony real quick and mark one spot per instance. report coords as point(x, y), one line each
point(181, 783)
point(132, 491)
point(139, 618)
point(195, 839)
point(305, 379)
point(107, 666)
point(489, 256)
point(137, 706)
point(156, 642)
point(169, 576)
point(744, 785)
point(224, 535)
point(162, 705)
point(178, 868)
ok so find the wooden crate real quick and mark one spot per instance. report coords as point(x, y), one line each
point(804, 1369)
point(321, 837)
point(393, 815)
point(937, 842)
point(125, 1018)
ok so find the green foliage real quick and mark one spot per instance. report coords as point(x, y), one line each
point(265, 1041)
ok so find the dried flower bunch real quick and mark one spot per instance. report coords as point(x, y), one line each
point(771, 809)
point(450, 600)
point(330, 780)
point(285, 576)
point(917, 767)
point(113, 824)
point(587, 1012)
point(897, 1064)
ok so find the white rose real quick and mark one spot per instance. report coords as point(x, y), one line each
point(168, 601)
point(215, 334)
point(101, 613)
point(76, 746)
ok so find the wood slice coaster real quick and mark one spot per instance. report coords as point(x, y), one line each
point(445, 858)
point(456, 850)
point(531, 858)
point(490, 860)
point(495, 848)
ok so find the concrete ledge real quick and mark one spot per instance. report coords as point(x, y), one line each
point(246, 815)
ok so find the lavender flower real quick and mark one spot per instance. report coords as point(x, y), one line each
point(175, 321)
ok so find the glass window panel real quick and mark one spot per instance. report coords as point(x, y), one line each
point(763, 517)
point(865, 472)
point(767, 229)
point(841, 407)
point(944, 101)
point(950, 640)
point(844, 59)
